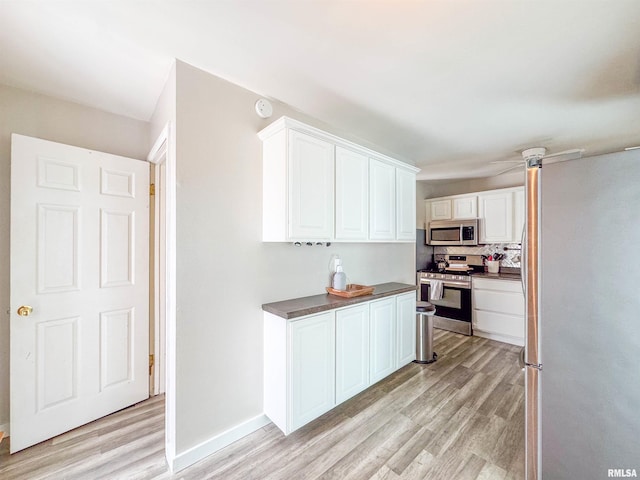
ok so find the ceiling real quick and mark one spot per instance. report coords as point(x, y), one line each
point(448, 85)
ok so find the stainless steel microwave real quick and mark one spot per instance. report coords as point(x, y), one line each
point(453, 232)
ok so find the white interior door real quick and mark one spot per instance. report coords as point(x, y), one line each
point(79, 258)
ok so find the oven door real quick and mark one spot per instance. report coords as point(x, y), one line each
point(455, 302)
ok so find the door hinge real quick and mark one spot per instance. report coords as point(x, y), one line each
point(152, 189)
point(151, 363)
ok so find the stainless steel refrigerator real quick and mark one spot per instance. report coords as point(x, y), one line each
point(582, 349)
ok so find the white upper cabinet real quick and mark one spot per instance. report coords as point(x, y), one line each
point(319, 187)
point(352, 195)
point(500, 212)
point(382, 201)
point(405, 205)
point(454, 208)
point(311, 166)
point(441, 209)
point(496, 217)
point(465, 207)
point(297, 187)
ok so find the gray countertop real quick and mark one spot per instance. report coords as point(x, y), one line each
point(299, 307)
point(498, 276)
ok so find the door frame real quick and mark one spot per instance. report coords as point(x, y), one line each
point(162, 155)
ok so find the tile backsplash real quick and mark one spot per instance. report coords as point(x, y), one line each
point(511, 259)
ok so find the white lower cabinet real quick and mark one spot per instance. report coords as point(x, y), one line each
point(315, 362)
point(312, 368)
point(382, 314)
point(352, 351)
point(299, 368)
point(406, 329)
point(498, 310)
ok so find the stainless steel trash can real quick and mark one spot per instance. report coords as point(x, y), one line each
point(424, 333)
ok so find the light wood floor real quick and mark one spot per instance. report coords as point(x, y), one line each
point(461, 418)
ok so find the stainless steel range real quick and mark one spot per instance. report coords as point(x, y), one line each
point(449, 289)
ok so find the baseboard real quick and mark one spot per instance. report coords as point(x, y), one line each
point(4, 427)
point(500, 338)
point(206, 448)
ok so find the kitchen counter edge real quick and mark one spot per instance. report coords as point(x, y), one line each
point(300, 307)
point(497, 276)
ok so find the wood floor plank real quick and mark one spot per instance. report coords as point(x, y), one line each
point(370, 454)
point(419, 467)
point(408, 453)
point(492, 472)
point(460, 418)
point(470, 469)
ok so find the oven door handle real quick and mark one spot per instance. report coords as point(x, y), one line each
point(450, 284)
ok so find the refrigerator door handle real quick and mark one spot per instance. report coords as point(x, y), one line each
point(523, 363)
point(523, 261)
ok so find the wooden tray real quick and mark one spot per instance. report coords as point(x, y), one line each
point(353, 290)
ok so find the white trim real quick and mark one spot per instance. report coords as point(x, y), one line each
point(5, 428)
point(519, 341)
point(158, 157)
point(166, 141)
point(159, 145)
point(286, 122)
point(212, 445)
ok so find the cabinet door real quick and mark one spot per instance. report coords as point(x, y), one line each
point(382, 201)
point(406, 323)
point(406, 205)
point(441, 210)
point(382, 324)
point(352, 351)
point(496, 217)
point(311, 180)
point(312, 367)
point(352, 195)
point(465, 207)
point(500, 324)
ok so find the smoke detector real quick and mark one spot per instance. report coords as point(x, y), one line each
point(264, 108)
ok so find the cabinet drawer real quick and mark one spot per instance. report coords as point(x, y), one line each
point(503, 302)
point(499, 285)
point(498, 323)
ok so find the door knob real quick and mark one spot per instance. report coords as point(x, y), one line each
point(25, 310)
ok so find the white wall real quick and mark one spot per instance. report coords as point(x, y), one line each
point(443, 188)
point(163, 116)
point(224, 271)
point(422, 191)
point(165, 110)
point(59, 121)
